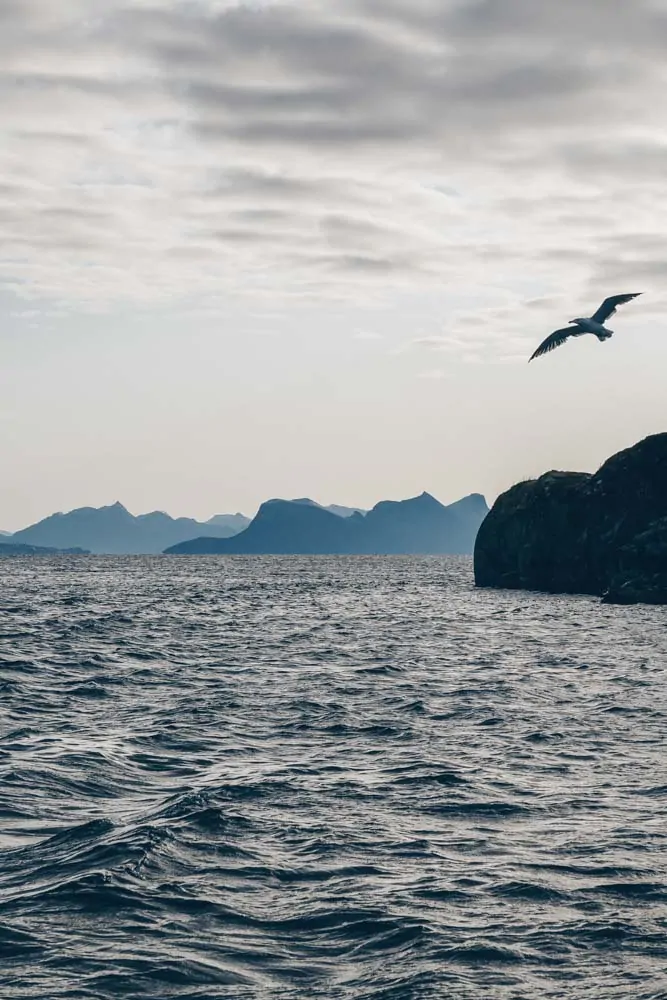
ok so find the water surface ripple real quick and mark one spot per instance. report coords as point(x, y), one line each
point(330, 777)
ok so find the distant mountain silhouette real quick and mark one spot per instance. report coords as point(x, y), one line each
point(235, 521)
point(470, 512)
point(9, 549)
point(114, 530)
point(333, 508)
point(421, 525)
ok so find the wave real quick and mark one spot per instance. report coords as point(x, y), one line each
point(313, 778)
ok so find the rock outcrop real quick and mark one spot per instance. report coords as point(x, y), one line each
point(572, 532)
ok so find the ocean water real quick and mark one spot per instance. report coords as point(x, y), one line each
point(328, 777)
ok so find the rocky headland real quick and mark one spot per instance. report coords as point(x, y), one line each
point(572, 532)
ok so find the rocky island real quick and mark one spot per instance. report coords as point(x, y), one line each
point(20, 549)
point(418, 526)
point(572, 532)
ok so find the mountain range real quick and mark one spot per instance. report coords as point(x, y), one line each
point(420, 525)
point(113, 530)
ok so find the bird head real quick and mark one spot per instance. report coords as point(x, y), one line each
point(578, 320)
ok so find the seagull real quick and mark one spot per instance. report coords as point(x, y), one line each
point(594, 324)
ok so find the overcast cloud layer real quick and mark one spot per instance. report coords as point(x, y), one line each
point(509, 154)
point(324, 146)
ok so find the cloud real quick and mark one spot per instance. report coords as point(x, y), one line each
point(431, 343)
point(505, 148)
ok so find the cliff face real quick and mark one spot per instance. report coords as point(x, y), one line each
point(572, 532)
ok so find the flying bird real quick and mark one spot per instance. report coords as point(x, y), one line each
point(594, 324)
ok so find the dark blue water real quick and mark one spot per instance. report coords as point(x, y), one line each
point(344, 778)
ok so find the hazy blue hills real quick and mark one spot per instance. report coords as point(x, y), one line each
point(237, 522)
point(421, 525)
point(115, 531)
point(334, 508)
point(418, 525)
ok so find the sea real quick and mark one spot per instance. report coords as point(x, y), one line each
point(352, 778)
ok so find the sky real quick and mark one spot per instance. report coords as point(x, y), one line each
point(305, 248)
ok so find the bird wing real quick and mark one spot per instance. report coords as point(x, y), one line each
point(554, 340)
point(608, 307)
